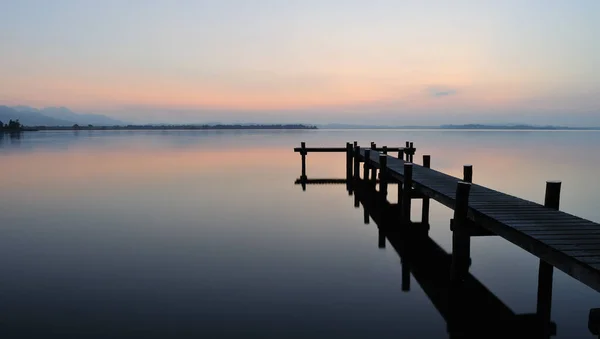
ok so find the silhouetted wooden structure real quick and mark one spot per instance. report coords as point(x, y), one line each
point(559, 239)
point(469, 308)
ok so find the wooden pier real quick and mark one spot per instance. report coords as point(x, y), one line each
point(558, 239)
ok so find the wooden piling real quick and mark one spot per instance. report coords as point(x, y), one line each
point(468, 173)
point(461, 241)
point(383, 184)
point(355, 144)
point(411, 153)
point(373, 175)
point(348, 161)
point(357, 162)
point(425, 209)
point(366, 164)
point(545, 270)
point(384, 150)
point(406, 193)
point(405, 275)
point(552, 196)
point(303, 154)
point(373, 145)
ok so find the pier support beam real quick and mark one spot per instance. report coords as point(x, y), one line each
point(303, 154)
point(357, 162)
point(545, 271)
point(425, 210)
point(405, 274)
point(366, 164)
point(383, 183)
point(468, 173)
point(461, 241)
point(348, 161)
point(380, 239)
point(406, 193)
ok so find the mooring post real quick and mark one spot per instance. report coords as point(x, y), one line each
point(461, 241)
point(348, 161)
point(366, 164)
point(383, 183)
point(357, 162)
point(406, 193)
point(468, 173)
point(425, 211)
point(545, 271)
point(412, 152)
point(303, 154)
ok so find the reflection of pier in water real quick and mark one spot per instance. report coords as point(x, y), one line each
point(469, 308)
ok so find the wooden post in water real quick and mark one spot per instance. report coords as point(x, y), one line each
point(412, 153)
point(545, 271)
point(406, 193)
point(425, 210)
point(366, 164)
point(374, 174)
point(381, 239)
point(405, 274)
point(468, 173)
point(303, 154)
point(461, 241)
point(348, 161)
point(383, 183)
point(357, 162)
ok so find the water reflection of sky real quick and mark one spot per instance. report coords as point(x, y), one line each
point(185, 232)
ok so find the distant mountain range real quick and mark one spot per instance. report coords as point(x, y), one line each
point(53, 116)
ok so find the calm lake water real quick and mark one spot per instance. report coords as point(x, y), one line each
point(157, 234)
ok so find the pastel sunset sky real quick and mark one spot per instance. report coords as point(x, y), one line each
point(312, 61)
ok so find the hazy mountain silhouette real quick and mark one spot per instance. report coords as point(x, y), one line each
point(30, 118)
point(65, 115)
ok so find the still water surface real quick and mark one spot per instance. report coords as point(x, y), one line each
point(156, 234)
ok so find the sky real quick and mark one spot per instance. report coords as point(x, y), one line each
point(311, 61)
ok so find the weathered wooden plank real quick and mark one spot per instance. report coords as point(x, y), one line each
point(556, 227)
point(576, 246)
point(582, 252)
point(585, 236)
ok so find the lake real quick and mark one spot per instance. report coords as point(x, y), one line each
point(152, 234)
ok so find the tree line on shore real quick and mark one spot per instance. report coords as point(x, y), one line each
point(11, 126)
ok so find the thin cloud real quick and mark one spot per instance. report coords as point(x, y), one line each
point(440, 92)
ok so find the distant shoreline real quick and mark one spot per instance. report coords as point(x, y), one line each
point(292, 127)
point(464, 127)
point(170, 127)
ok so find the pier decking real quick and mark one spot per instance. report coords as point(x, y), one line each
point(569, 243)
point(558, 239)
